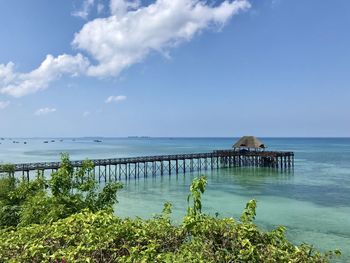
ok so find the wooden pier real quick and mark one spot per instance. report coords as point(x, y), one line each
point(136, 167)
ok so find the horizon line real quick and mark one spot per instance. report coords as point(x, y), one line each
point(174, 137)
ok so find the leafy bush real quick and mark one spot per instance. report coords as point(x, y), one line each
point(7, 168)
point(44, 200)
point(102, 237)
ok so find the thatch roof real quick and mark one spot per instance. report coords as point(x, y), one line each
point(249, 142)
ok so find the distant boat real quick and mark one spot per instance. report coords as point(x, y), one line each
point(61, 140)
point(2, 139)
point(52, 140)
point(46, 141)
point(25, 142)
point(97, 141)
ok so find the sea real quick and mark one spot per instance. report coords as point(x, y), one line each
point(312, 201)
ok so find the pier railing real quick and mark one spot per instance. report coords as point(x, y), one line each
point(117, 168)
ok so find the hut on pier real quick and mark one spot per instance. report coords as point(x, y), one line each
point(247, 143)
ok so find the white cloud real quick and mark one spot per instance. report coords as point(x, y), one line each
point(124, 38)
point(52, 68)
point(128, 36)
point(4, 104)
point(45, 111)
point(86, 113)
point(6, 73)
point(120, 7)
point(115, 98)
point(85, 9)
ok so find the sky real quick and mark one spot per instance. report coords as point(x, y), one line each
point(168, 68)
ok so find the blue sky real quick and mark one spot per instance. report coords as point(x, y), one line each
point(265, 68)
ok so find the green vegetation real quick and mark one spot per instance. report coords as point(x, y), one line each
point(69, 219)
point(7, 168)
point(43, 201)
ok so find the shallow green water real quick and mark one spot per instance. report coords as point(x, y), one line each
point(328, 227)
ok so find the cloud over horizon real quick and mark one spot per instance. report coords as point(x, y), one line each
point(115, 98)
point(125, 38)
point(85, 9)
point(21, 84)
point(4, 104)
point(44, 111)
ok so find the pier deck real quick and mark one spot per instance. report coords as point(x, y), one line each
point(118, 168)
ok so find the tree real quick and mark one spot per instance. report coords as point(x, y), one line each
point(66, 192)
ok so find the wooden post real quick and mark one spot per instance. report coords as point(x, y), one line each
point(288, 161)
point(169, 165)
point(281, 160)
point(177, 166)
point(135, 170)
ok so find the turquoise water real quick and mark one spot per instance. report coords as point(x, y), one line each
point(313, 201)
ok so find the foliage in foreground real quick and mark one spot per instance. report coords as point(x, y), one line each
point(42, 200)
point(103, 237)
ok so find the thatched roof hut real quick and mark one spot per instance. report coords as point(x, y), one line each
point(249, 142)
